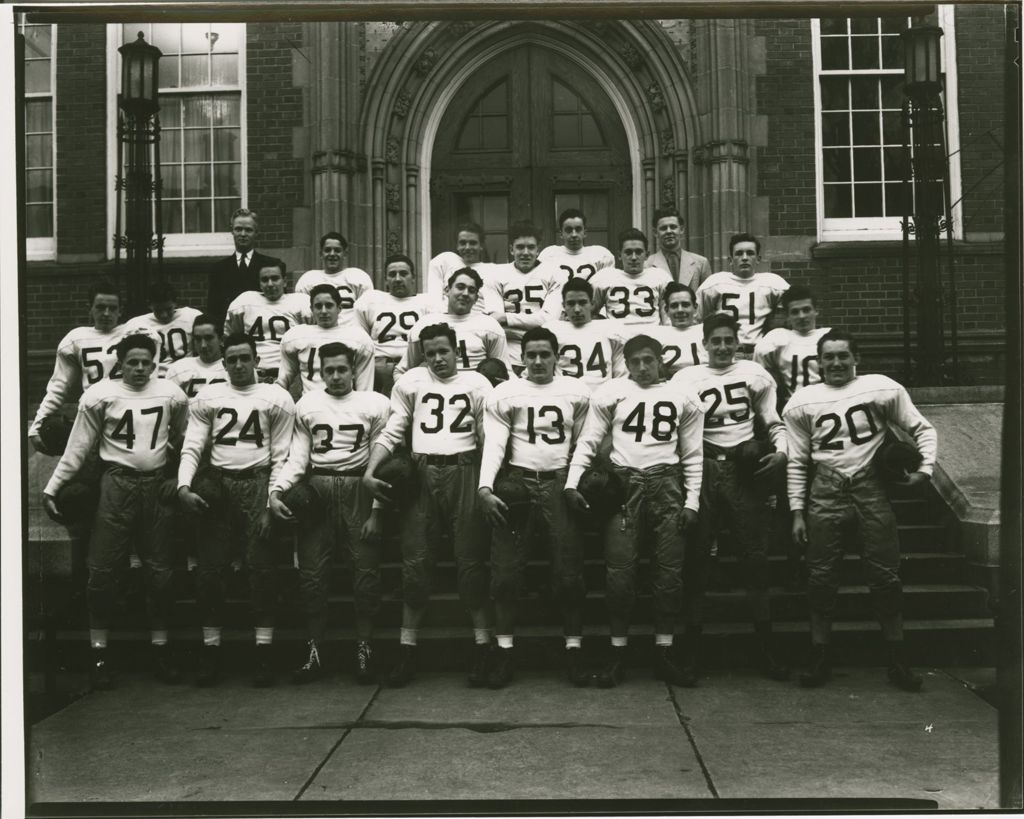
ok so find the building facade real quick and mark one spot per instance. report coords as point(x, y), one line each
point(393, 133)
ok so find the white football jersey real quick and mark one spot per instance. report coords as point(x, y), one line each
point(535, 299)
point(133, 427)
point(85, 355)
point(245, 428)
point(649, 426)
point(299, 348)
point(440, 270)
point(388, 320)
point(477, 337)
point(267, 321)
point(843, 427)
point(445, 414)
point(679, 348)
point(592, 352)
point(192, 374)
point(542, 421)
point(751, 301)
point(174, 339)
point(631, 299)
point(731, 396)
point(333, 432)
point(790, 357)
point(584, 263)
point(351, 283)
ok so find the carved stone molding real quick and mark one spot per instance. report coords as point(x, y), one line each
point(717, 151)
point(633, 59)
point(402, 102)
point(427, 60)
point(460, 28)
point(336, 161)
point(394, 242)
point(655, 96)
point(668, 142)
point(392, 197)
point(668, 192)
point(393, 149)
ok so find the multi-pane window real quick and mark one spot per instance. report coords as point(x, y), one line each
point(486, 125)
point(863, 158)
point(573, 124)
point(39, 136)
point(201, 121)
point(490, 211)
point(594, 205)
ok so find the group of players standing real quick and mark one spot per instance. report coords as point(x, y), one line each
point(516, 405)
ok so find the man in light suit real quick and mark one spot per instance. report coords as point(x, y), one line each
point(240, 271)
point(685, 267)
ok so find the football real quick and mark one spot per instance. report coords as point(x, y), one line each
point(602, 489)
point(399, 471)
point(76, 501)
point(302, 501)
point(54, 432)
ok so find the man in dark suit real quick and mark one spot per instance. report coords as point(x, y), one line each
point(685, 267)
point(240, 271)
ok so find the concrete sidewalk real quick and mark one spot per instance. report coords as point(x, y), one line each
point(736, 736)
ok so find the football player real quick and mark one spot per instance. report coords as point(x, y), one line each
point(351, 282)
point(207, 365)
point(84, 356)
point(139, 421)
point(835, 430)
point(335, 429)
point(588, 349)
point(655, 431)
point(531, 292)
point(791, 355)
point(573, 256)
point(682, 341)
point(388, 315)
point(469, 248)
point(685, 267)
point(443, 407)
point(266, 315)
point(737, 481)
point(300, 343)
point(169, 324)
point(479, 336)
point(248, 426)
point(542, 415)
point(748, 296)
point(633, 295)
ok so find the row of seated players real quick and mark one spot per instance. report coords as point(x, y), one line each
point(675, 447)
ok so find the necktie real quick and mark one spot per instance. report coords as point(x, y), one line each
point(673, 263)
point(243, 268)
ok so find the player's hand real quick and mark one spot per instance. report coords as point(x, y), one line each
point(769, 463)
point(799, 528)
point(918, 480)
point(381, 490)
point(192, 502)
point(280, 509)
point(38, 445)
point(687, 519)
point(494, 509)
point(373, 528)
point(501, 318)
point(50, 505)
point(264, 524)
point(575, 501)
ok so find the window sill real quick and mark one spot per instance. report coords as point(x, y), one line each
point(890, 249)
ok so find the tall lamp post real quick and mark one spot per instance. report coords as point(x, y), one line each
point(924, 121)
point(138, 170)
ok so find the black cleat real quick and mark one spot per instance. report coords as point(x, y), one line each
point(209, 666)
point(164, 667)
point(366, 671)
point(903, 678)
point(613, 671)
point(311, 669)
point(502, 669)
point(819, 671)
point(264, 677)
point(403, 673)
point(574, 670)
point(99, 672)
point(481, 662)
point(666, 669)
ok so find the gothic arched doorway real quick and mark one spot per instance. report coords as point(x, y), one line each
point(526, 136)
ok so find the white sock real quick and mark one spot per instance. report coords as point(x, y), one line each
point(482, 636)
point(192, 563)
point(573, 642)
point(98, 637)
point(134, 561)
point(505, 641)
point(663, 640)
point(158, 637)
point(619, 642)
point(211, 635)
point(264, 636)
point(408, 636)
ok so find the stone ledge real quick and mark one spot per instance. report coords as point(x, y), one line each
point(894, 249)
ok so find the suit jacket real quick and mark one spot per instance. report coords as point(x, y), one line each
point(693, 269)
point(225, 282)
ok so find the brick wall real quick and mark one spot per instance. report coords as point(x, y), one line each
point(274, 108)
point(82, 185)
point(785, 166)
